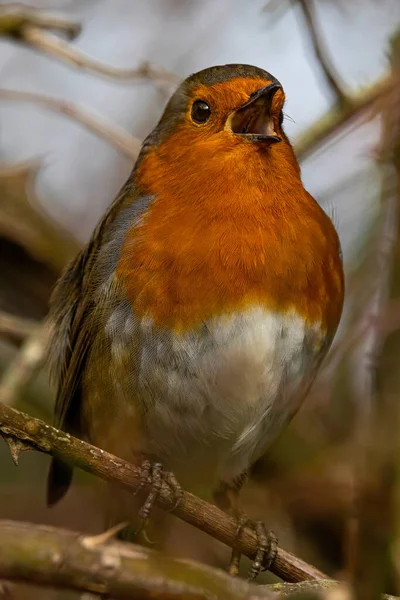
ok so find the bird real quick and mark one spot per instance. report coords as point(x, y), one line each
point(187, 332)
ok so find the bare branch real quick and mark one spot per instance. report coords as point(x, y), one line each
point(23, 220)
point(48, 556)
point(308, 10)
point(337, 118)
point(191, 509)
point(29, 26)
point(376, 462)
point(325, 589)
point(60, 49)
point(5, 591)
point(26, 364)
point(113, 134)
point(16, 328)
point(13, 17)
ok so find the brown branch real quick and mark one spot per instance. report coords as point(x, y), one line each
point(26, 364)
point(14, 17)
point(378, 422)
point(5, 591)
point(48, 556)
point(308, 10)
point(318, 590)
point(16, 328)
point(50, 44)
point(66, 559)
point(113, 134)
point(193, 510)
point(340, 116)
point(29, 26)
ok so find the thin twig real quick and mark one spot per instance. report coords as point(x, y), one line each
point(5, 591)
point(340, 116)
point(13, 17)
point(378, 421)
point(16, 328)
point(110, 132)
point(30, 26)
point(60, 49)
point(26, 364)
point(193, 510)
point(308, 10)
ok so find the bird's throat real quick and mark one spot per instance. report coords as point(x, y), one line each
point(242, 233)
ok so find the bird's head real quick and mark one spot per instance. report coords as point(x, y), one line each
point(222, 118)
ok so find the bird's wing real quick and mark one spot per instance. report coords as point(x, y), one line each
point(67, 352)
point(73, 302)
point(69, 340)
point(72, 307)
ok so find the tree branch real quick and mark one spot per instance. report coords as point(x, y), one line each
point(14, 17)
point(50, 44)
point(28, 25)
point(318, 590)
point(332, 78)
point(37, 435)
point(110, 132)
point(16, 328)
point(66, 559)
point(334, 120)
point(26, 364)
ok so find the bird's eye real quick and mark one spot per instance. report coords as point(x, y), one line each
point(201, 111)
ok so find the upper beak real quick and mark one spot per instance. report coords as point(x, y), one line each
point(253, 119)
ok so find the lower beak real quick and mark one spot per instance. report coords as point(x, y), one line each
point(253, 120)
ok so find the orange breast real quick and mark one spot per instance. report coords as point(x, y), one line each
point(223, 235)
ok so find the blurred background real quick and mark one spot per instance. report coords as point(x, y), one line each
point(329, 487)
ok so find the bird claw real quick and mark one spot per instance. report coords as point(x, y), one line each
point(267, 546)
point(153, 474)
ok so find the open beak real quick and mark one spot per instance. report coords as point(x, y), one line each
point(253, 120)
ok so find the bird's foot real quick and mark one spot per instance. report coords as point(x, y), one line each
point(267, 546)
point(154, 475)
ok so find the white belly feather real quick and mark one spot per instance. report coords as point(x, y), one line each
point(217, 398)
point(206, 403)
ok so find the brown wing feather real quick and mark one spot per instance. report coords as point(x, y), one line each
point(70, 309)
point(68, 347)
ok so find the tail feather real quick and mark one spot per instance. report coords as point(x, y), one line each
point(58, 481)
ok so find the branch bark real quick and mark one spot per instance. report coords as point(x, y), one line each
point(325, 589)
point(14, 17)
point(30, 26)
point(27, 363)
point(66, 559)
point(35, 434)
point(50, 44)
point(340, 116)
point(110, 132)
point(332, 78)
point(16, 328)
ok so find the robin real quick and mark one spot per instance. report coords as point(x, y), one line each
point(189, 329)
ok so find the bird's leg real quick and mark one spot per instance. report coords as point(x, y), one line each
point(267, 546)
point(227, 498)
point(153, 474)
